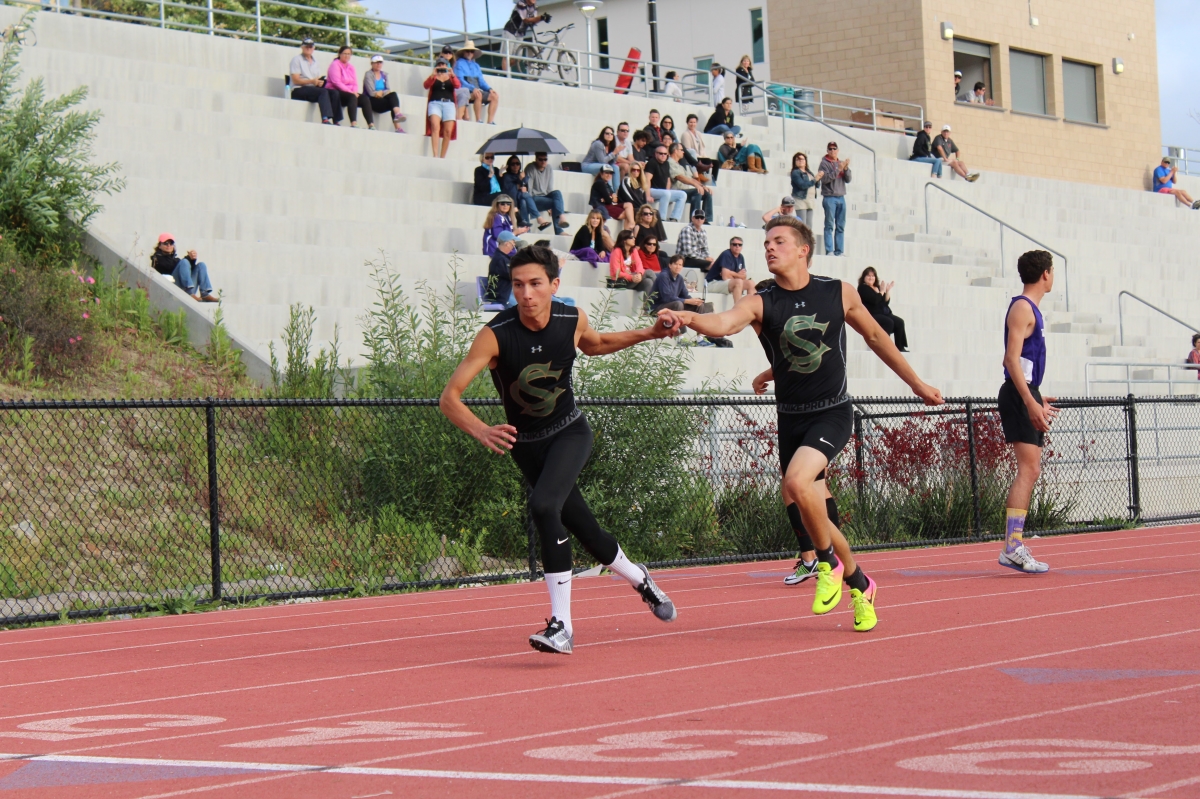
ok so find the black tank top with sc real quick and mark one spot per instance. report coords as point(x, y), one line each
point(533, 372)
point(804, 336)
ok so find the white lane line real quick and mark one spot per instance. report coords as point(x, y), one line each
point(1170, 786)
point(567, 779)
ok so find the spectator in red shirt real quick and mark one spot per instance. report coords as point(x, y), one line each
point(1193, 357)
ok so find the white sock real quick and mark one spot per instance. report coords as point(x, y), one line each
point(559, 586)
point(626, 568)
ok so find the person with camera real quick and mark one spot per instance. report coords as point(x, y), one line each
point(440, 113)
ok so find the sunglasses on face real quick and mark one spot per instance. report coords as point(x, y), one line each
point(542, 160)
point(644, 213)
point(622, 130)
point(607, 133)
point(650, 244)
point(736, 244)
point(489, 158)
point(169, 242)
point(832, 150)
point(501, 205)
point(663, 153)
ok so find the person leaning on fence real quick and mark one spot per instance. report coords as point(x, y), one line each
point(378, 97)
point(1193, 356)
point(308, 85)
point(470, 75)
point(440, 125)
point(487, 181)
point(189, 273)
point(499, 283)
point(500, 217)
point(342, 78)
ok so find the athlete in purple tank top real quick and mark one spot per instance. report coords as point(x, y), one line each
point(1024, 413)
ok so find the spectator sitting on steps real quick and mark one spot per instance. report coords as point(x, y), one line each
point(922, 151)
point(730, 268)
point(540, 178)
point(592, 242)
point(471, 77)
point(670, 291)
point(653, 127)
point(512, 183)
point(189, 273)
point(652, 257)
point(500, 217)
point(876, 297)
point(670, 201)
point(693, 143)
point(945, 149)
point(378, 97)
point(625, 266)
point(693, 244)
point(649, 225)
point(309, 86)
point(487, 181)
point(1164, 183)
point(635, 188)
point(721, 120)
point(1193, 356)
point(685, 179)
point(746, 157)
point(499, 284)
point(602, 152)
point(640, 150)
point(343, 79)
point(604, 200)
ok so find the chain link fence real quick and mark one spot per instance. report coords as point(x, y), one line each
point(125, 506)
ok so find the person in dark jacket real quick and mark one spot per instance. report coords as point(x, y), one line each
point(499, 285)
point(876, 298)
point(487, 181)
point(606, 201)
point(189, 273)
point(512, 183)
point(649, 223)
point(722, 119)
point(745, 82)
point(923, 152)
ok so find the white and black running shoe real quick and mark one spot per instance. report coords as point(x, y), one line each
point(1023, 560)
point(554, 639)
point(803, 572)
point(660, 604)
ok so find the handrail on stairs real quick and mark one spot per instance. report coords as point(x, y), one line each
point(1003, 225)
point(1121, 313)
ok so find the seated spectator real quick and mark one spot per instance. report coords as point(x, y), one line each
point(592, 242)
point(673, 89)
point(721, 120)
point(693, 144)
point(803, 182)
point(641, 146)
point(652, 257)
point(500, 217)
point(342, 78)
point(979, 95)
point(670, 291)
point(189, 272)
point(945, 149)
point(635, 189)
point(746, 157)
point(604, 200)
point(668, 126)
point(440, 113)
point(471, 77)
point(683, 178)
point(786, 207)
point(499, 284)
point(540, 179)
point(377, 96)
point(309, 86)
point(623, 150)
point(649, 223)
point(745, 82)
point(730, 268)
point(717, 84)
point(1193, 356)
point(923, 150)
point(670, 140)
point(654, 128)
point(693, 244)
point(512, 183)
point(670, 201)
point(876, 298)
point(487, 181)
point(602, 152)
point(1164, 183)
point(625, 267)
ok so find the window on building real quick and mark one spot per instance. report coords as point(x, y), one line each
point(974, 61)
point(703, 65)
point(757, 51)
point(602, 32)
point(1028, 76)
point(1079, 92)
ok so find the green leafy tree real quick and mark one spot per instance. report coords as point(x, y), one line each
point(48, 182)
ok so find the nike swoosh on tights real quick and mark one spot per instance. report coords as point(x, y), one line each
point(830, 443)
point(563, 541)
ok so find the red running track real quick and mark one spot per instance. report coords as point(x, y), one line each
point(978, 682)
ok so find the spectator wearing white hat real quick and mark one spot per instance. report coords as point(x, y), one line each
point(945, 149)
point(308, 85)
point(471, 77)
point(958, 89)
point(378, 97)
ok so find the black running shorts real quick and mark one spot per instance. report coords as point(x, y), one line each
point(1014, 416)
point(826, 430)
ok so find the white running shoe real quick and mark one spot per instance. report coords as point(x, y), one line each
point(803, 572)
point(1023, 560)
point(554, 639)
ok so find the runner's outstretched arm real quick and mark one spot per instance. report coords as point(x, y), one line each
point(880, 342)
point(718, 325)
point(484, 352)
point(592, 342)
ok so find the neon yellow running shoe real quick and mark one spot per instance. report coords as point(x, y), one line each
point(864, 607)
point(829, 588)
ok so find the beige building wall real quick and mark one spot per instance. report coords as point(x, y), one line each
point(895, 50)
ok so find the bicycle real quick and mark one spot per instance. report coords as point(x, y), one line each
point(20, 34)
point(533, 59)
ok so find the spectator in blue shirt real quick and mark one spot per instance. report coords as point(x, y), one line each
point(730, 266)
point(1164, 183)
point(471, 77)
point(670, 290)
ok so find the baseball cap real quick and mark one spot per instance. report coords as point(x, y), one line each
point(698, 214)
point(376, 59)
point(506, 235)
point(441, 62)
point(945, 127)
point(307, 43)
point(787, 201)
point(929, 123)
point(165, 237)
point(606, 168)
point(957, 74)
point(1166, 160)
point(832, 144)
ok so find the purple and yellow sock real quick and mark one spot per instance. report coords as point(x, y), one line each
point(1014, 529)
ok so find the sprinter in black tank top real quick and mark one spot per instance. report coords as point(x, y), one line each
point(530, 350)
point(801, 325)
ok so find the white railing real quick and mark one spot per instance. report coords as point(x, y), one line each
point(1186, 158)
point(413, 43)
point(1178, 379)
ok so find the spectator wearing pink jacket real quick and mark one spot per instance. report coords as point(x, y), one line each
point(343, 79)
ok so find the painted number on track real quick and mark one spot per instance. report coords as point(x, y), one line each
point(659, 747)
point(1044, 757)
point(76, 727)
point(360, 732)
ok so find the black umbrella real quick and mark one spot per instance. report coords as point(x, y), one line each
point(523, 141)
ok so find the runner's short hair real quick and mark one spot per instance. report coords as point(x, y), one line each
point(1033, 264)
point(534, 254)
point(803, 234)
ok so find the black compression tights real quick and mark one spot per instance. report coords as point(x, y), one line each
point(552, 466)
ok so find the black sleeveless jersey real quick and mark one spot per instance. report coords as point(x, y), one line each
point(804, 335)
point(533, 373)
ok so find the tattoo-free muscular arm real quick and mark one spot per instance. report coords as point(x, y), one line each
point(881, 344)
point(484, 353)
point(592, 342)
point(746, 312)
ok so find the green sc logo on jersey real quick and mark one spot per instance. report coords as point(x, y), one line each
point(544, 401)
point(803, 355)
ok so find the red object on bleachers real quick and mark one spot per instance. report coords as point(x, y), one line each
point(628, 71)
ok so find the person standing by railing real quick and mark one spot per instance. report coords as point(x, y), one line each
point(1193, 357)
point(745, 83)
point(439, 117)
point(718, 84)
point(308, 85)
point(520, 24)
point(342, 77)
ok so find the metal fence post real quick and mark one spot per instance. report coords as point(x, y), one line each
point(974, 470)
point(214, 506)
point(347, 28)
point(162, 13)
point(858, 453)
point(531, 535)
point(1135, 489)
point(210, 18)
point(258, 18)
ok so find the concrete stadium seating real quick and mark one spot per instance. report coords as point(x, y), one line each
point(285, 210)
